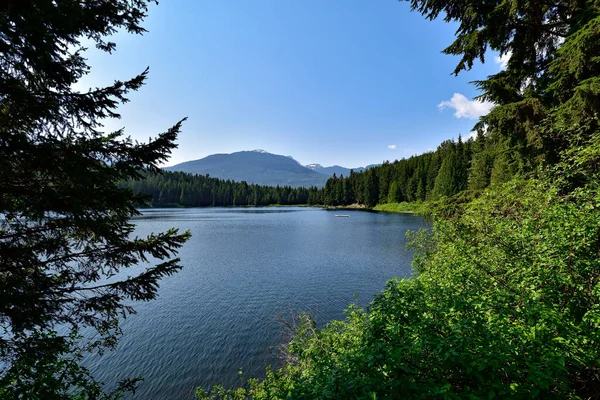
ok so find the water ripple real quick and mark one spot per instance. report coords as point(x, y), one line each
point(243, 268)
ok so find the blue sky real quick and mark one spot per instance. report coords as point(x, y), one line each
point(345, 82)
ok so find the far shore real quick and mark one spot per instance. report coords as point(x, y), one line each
point(392, 208)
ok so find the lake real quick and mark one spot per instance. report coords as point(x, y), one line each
point(242, 268)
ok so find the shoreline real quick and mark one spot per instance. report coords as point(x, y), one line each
point(388, 208)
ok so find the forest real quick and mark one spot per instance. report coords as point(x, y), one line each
point(168, 189)
point(454, 167)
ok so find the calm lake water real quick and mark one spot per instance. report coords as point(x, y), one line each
point(243, 267)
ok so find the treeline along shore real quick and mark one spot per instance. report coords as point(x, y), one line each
point(454, 167)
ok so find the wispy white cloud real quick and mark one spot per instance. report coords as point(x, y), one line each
point(392, 146)
point(465, 108)
point(503, 60)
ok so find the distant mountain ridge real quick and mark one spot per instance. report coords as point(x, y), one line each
point(262, 168)
point(336, 169)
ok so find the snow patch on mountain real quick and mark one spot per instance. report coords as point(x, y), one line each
point(313, 166)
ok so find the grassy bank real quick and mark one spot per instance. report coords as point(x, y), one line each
point(404, 208)
point(420, 208)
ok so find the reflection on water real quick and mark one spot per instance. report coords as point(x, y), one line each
point(217, 212)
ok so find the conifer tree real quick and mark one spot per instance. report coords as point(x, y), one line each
point(370, 188)
point(65, 224)
point(481, 164)
point(447, 182)
point(394, 194)
point(552, 74)
point(463, 154)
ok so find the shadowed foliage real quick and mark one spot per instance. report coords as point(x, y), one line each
point(65, 231)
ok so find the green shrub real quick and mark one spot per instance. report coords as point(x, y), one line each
point(505, 303)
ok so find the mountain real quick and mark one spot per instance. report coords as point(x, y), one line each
point(336, 169)
point(256, 166)
point(329, 171)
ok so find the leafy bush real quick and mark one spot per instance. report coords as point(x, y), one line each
point(505, 304)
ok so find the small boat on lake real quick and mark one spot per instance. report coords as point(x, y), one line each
point(342, 215)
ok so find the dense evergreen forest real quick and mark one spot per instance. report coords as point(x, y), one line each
point(181, 189)
point(454, 167)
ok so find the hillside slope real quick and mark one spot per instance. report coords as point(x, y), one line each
point(255, 166)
